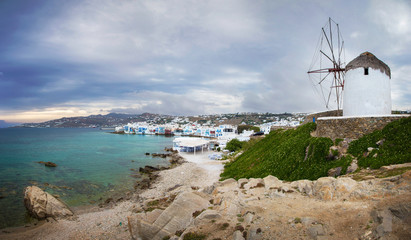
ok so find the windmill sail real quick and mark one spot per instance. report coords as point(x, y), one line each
point(327, 68)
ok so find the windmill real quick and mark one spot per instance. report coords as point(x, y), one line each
point(327, 69)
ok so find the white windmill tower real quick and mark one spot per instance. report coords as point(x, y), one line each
point(364, 82)
point(367, 89)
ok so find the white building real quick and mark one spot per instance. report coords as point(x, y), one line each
point(190, 144)
point(367, 89)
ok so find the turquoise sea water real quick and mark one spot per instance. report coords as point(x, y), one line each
point(90, 164)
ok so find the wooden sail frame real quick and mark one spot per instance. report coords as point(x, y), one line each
point(330, 48)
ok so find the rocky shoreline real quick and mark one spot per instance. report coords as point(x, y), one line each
point(188, 201)
point(148, 179)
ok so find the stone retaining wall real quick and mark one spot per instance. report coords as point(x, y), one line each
point(351, 127)
point(333, 113)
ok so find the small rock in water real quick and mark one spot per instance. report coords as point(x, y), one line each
point(48, 164)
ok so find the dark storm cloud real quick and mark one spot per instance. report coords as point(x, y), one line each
point(184, 57)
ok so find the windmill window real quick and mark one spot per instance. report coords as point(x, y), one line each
point(365, 71)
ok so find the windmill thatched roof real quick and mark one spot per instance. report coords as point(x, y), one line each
point(368, 60)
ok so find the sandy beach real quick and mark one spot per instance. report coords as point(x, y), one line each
point(111, 222)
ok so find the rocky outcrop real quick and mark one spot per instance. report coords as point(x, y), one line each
point(148, 169)
point(42, 205)
point(177, 217)
point(334, 172)
point(255, 209)
point(175, 158)
point(161, 155)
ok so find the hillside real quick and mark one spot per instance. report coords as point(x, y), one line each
point(294, 154)
point(109, 120)
point(118, 119)
point(390, 145)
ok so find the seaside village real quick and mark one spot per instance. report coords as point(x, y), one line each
point(195, 137)
point(355, 200)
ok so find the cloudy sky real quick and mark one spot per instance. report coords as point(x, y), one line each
point(70, 58)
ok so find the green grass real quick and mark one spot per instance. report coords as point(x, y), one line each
point(283, 154)
point(337, 141)
point(294, 154)
point(395, 149)
point(194, 236)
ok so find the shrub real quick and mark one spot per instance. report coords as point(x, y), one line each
point(234, 145)
point(255, 128)
point(241, 128)
point(337, 141)
point(194, 236)
point(224, 226)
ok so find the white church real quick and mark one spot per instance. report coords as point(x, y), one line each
point(367, 89)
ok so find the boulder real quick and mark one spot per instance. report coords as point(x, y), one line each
point(248, 218)
point(208, 189)
point(307, 221)
point(177, 216)
point(316, 230)
point(324, 188)
point(402, 211)
point(227, 185)
point(254, 233)
point(161, 155)
point(344, 186)
point(42, 205)
point(176, 159)
point(238, 235)
point(207, 216)
point(254, 183)
point(303, 186)
point(230, 204)
point(271, 182)
point(344, 146)
point(380, 143)
point(242, 182)
point(148, 169)
point(334, 172)
point(384, 218)
point(353, 167)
